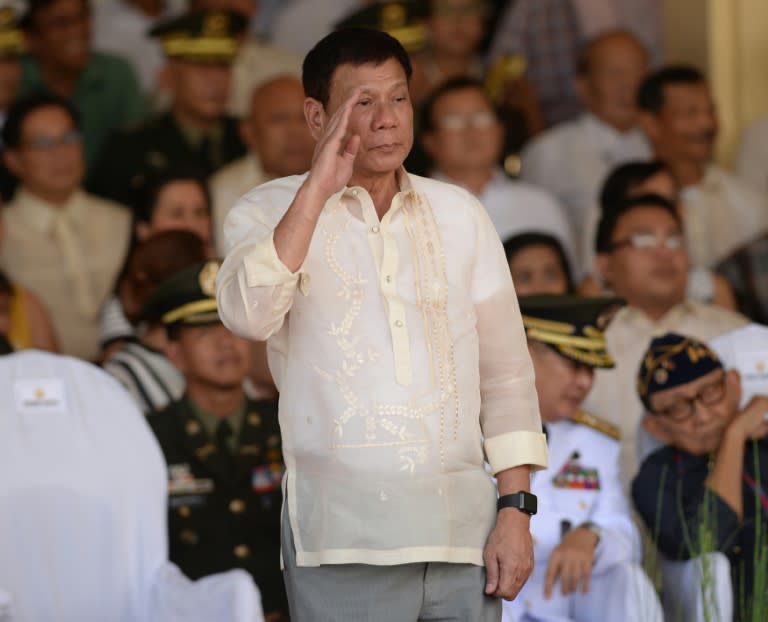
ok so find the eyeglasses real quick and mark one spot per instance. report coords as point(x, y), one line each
point(647, 241)
point(709, 395)
point(45, 143)
point(478, 120)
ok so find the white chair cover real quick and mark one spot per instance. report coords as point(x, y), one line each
point(83, 533)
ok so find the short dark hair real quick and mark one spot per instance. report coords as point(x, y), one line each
point(610, 217)
point(517, 243)
point(354, 46)
point(25, 106)
point(650, 95)
point(158, 179)
point(27, 21)
point(622, 179)
point(452, 85)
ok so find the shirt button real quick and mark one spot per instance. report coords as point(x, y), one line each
point(375, 229)
point(354, 192)
point(189, 537)
point(242, 551)
point(304, 283)
point(184, 511)
point(399, 323)
point(388, 278)
point(236, 506)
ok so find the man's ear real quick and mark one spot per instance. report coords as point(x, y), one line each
point(174, 354)
point(654, 425)
point(247, 134)
point(143, 231)
point(314, 113)
point(649, 124)
point(582, 89)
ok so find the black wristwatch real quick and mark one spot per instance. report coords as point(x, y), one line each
point(523, 501)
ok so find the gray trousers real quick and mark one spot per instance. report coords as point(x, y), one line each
point(365, 593)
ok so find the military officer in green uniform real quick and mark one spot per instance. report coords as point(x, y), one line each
point(223, 450)
point(200, 47)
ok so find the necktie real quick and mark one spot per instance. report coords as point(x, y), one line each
point(66, 237)
point(223, 434)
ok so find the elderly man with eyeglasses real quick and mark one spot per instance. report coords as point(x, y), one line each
point(641, 256)
point(705, 489)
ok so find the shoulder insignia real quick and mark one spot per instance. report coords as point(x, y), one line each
point(596, 423)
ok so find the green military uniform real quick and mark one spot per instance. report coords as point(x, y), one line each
point(224, 473)
point(224, 506)
point(199, 37)
point(131, 155)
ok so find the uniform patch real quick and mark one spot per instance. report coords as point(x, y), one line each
point(182, 482)
point(575, 476)
point(267, 477)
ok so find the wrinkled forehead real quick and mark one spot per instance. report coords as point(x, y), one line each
point(382, 76)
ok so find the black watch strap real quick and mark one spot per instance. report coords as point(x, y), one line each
point(523, 501)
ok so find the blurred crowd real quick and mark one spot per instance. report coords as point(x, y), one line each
point(131, 127)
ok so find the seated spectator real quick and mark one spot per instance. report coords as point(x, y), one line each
point(173, 198)
point(633, 179)
point(65, 245)
point(720, 211)
point(572, 159)
point(102, 88)
point(279, 144)
point(641, 256)
point(587, 548)
point(257, 60)
point(701, 491)
point(138, 362)
point(200, 48)
point(223, 450)
point(25, 323)
point(462, 134)
point(538, 264)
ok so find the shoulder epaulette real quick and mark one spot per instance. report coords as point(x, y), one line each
point(596, 423)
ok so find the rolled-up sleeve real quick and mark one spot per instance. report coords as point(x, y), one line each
point(509, 407)
point(254, 289)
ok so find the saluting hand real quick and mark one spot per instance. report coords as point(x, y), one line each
point(335, 151)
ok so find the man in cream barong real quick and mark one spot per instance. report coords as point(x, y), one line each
point(396, 342)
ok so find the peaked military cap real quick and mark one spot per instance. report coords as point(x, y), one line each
point(672, 360)
point(403, 20)
point(187, 297)
point(11, 37)
point(202, 36)
point(572, 325)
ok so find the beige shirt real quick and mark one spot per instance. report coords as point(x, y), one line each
point(720, 214)
point(70, 257)
point(227, 185)
point(399, 353)
point(614, 393)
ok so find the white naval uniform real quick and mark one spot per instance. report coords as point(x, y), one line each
point(619, 589)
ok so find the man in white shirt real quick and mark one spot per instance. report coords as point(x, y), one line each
point(641, 256)
point(572, 159)
point(464, 137)
point(397, 345)
point(720, 211)
point(65, 245)
point(279, 144)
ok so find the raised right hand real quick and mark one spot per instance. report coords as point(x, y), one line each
point(335, 151)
